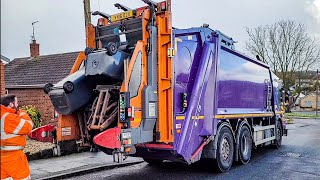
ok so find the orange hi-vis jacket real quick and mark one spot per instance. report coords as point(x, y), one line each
point(14, 128)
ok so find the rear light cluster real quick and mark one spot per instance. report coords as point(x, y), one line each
point(184, 101)
point(126, 142)
point(126, 113)
point(162, 6)
point(122, 109)
point(101, 22)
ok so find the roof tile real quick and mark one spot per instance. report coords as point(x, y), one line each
point(39, 70)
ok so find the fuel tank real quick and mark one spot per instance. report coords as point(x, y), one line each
point(77, 90)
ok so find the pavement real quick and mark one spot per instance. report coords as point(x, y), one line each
point(297, 158)
point(79, 163)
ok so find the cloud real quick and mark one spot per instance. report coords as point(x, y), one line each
point(246, 71)
point(313, 8)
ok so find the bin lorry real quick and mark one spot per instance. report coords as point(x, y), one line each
point(143, 88)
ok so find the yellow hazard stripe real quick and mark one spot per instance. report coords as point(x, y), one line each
point(226, 116)
point(193, 117)
point(280, 112)
point(242, 115)
point(179, 117)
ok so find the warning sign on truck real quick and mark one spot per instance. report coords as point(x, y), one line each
point(152, 109)
point(66, 131)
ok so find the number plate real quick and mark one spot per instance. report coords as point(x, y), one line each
point(121, 16)
point(126, 135)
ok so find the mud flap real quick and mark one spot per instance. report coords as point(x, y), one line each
point(285, 132)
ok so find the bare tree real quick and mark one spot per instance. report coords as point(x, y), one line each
point(286, 47)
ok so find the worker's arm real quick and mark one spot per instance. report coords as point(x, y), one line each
point(20, 124)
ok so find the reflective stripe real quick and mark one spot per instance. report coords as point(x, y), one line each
point(30, 122)
point(4, 135)
point(27, 178)
point(11, 148)
point(8, 178)
point(19, 127)
point(21, 114)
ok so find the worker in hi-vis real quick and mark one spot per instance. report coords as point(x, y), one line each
point(15, 125)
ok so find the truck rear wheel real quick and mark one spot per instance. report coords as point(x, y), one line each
point(245, 145)
point(153, 162)
point(278, 140)
point(225, 150)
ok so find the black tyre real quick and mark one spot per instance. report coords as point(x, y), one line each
point(47, 88)
point(68, 87)
point(225, 150)
point(111, 48)
point(278, 140)
point(153, 162)
point(245, 145)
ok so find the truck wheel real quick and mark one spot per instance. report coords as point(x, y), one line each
point(225, 149)
point(153, 162)
point(245, 145)
point(278, 140)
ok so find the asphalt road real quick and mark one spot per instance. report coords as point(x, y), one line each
point(298, 158)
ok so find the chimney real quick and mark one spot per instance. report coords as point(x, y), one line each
point(34, 49)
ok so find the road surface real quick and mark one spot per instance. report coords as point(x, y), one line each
point(298, 158)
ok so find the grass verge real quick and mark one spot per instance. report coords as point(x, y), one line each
point(298, 115)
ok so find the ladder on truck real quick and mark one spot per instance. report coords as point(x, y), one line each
point(269, 95)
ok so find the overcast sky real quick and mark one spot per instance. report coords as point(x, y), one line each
point(61, 22)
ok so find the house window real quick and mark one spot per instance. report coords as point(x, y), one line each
point(308, 104)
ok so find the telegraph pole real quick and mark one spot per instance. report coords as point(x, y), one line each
point(87, 17)
point(317, 92)
point(87, 12)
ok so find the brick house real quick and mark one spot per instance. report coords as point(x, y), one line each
point(26, 77)
point(309, 101)
point(4, 60)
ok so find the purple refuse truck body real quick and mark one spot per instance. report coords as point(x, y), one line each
point(222, 86)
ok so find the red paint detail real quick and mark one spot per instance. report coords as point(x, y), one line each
point(131, 119)
point(109, 138)
point(43, 133)
point(198, 150)
point(156, 146)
